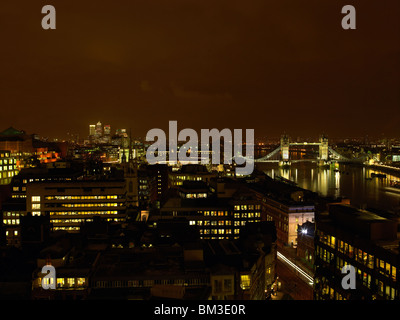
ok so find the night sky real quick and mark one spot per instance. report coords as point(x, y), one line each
point(273, 66)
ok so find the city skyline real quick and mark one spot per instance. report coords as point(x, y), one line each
point(275, 68)
point(74, 136)
point(198, 152)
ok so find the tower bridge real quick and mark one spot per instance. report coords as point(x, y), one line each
point(326, 154)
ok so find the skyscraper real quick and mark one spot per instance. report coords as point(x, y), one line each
point(92, 130)
point(107, 129)
point(99, 129)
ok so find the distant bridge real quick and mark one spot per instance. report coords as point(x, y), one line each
point(325, 155)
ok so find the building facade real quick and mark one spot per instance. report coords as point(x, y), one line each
point(73, 202)
point(363, 240)
point(217, 215)
point(8, 167)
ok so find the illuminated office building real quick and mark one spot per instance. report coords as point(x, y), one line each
point(363, 240)
point(107, 129)
point(99, 129)
point(12, 212)
point(218, 214)
point(92, 129)
point(71, 203)
point(8, 167)
point(191, 172)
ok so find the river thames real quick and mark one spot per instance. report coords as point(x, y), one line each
point(345, 180)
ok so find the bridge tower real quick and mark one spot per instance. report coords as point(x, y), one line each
point(323, 151)
point(285, 158)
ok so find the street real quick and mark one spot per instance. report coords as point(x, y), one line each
point(292, 286)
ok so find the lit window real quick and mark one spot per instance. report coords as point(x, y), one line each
point(245, 281)
point(71, 282)
point(60, 282)
point(80, 281)
point(35, 198)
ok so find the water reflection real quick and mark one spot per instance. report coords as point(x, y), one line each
point(354, 182)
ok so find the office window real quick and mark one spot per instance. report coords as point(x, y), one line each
point(387, 269)
point(245, 281)
point(394, 273)
point(71, 282)
point(60, 282)
point(350, 252)
point(332, 241)
point(365, 258)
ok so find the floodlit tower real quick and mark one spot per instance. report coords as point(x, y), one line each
point(285, 144)
point(323, 148)
point(285, 147)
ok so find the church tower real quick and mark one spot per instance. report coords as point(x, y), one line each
point(131, 179)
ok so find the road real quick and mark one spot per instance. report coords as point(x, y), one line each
point(293, 284)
